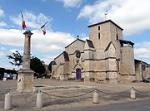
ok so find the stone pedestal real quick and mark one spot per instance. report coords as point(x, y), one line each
point(25, 75)
point(25, 81)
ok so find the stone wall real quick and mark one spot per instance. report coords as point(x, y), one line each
point(127, 61)
point(76, 45)
point(127, 66)
point(102, 42)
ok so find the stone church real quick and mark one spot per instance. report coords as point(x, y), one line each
point(104, 57)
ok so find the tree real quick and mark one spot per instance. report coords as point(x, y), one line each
point(35, 63)
point(38, 67)
point(1, 72)
point(16, 58)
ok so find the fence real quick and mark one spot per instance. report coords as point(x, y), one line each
point(53, 96)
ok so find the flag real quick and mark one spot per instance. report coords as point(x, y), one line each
point(23, 22)
point(43, 28)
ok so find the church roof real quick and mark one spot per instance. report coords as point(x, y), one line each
point(109, 46)
point(53, 63)
point(126, 42)
point(90, 43)
point(105, 22)
point(65, 54)
point(75, 41)
point(140, 61)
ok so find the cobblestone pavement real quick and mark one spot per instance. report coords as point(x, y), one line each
point(63, 98)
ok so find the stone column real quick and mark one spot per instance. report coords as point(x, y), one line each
point(26, 54)
point(25, 75)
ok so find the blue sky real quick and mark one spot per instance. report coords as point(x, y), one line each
point(67, 19)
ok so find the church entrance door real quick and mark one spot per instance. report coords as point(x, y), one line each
point(78, 74)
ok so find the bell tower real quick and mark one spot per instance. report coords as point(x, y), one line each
point(101, 34)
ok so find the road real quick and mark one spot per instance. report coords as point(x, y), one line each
point(142, 105)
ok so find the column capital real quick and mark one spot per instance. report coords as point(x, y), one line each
point(28, 32)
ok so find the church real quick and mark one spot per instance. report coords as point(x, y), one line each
point(104, 57)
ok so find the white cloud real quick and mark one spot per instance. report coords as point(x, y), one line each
point(3, 24)
point(50, 41)
point(47, 59)
point(142, 51)
point(42, 46)
point(1, 13)
point(3, 57)
point(32, 20)
point(71, 3)
point(2, 52)
point(132, 15)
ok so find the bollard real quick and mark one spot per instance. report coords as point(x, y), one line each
point(132, 93)
point(39, 103)
point(8, 101)
point(95, 97)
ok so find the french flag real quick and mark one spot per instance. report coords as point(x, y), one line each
point(43, 28)
point(23, 22)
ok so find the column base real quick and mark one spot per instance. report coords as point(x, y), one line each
point(127, 78)
point(25, 80)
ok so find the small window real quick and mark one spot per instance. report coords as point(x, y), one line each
point(117, 38)
point(99, 35)
point(143, 67)
point(99, 28)
point(78, 53)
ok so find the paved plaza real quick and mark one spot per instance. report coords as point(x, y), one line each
point(73, 95)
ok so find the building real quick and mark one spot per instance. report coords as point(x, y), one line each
point(8, 73)
point(105, 57)
point(142, 70)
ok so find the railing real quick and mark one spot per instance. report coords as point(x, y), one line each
point(45, 96)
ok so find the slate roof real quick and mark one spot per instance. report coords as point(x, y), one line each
point(99, 23)
point(90, 43)
point(75, 41)
point(126, 42)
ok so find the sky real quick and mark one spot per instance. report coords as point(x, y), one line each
point(67, 19)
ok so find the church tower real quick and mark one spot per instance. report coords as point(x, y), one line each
point(107, 38)
point(101, 34)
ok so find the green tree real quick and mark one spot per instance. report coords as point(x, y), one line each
point(16, 58)
point(38, 67)
point(35, 63)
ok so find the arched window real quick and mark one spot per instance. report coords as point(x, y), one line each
point(99, 28)
point(78, 54)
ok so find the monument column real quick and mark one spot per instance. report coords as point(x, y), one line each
point(26, 55)
point(25, 75)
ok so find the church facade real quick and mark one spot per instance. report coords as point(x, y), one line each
point(105, 57)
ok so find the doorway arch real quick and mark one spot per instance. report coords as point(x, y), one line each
point(78, 74)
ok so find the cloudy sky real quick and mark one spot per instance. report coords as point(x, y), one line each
point(67, 19)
